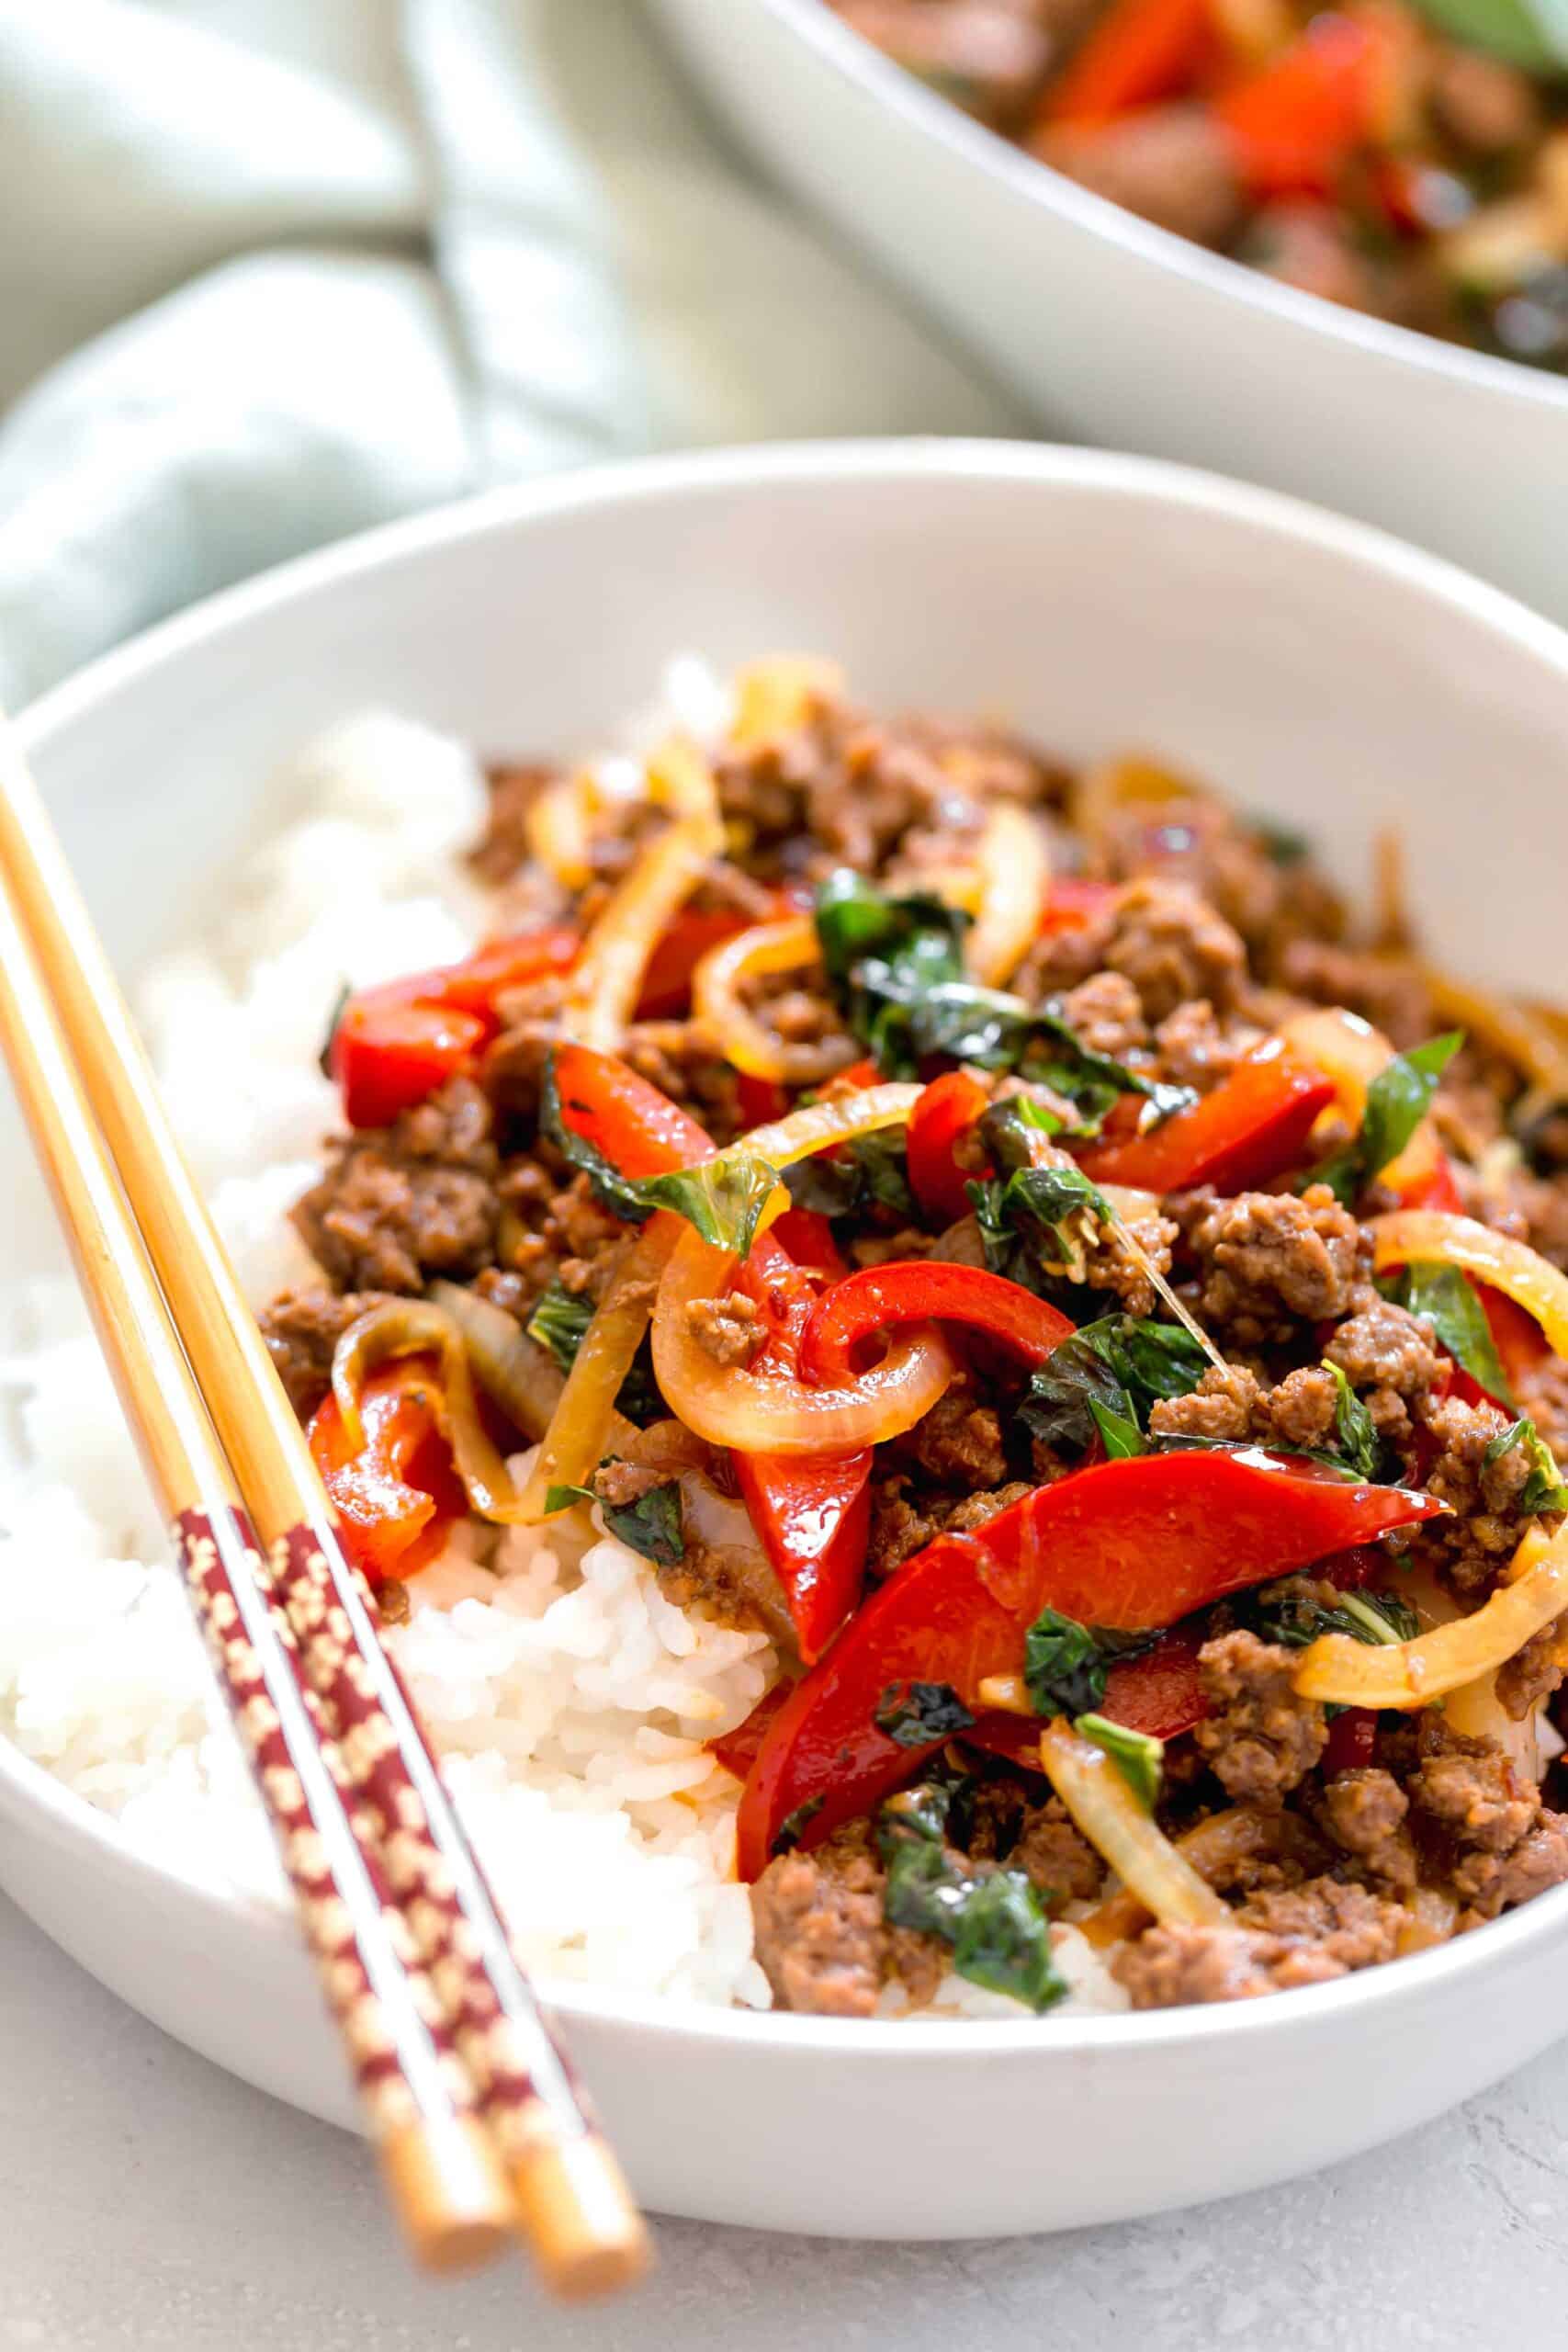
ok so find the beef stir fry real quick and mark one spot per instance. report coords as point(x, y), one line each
point(1007, 1232)
point(1363, 153)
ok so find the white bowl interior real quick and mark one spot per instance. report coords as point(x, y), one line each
point(1307, 667)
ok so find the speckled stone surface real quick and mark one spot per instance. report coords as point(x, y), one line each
point(149, 2203)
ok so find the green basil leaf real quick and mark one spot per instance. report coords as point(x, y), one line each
point(1443, 1298)
point(1543, 1489)
point(1397, 1100)
point(723, 1198)
point(324, 1058)
point(1533, 37)
point(563, 1498)
point(1356, 1440)
point(560, 1323)
point(1293, 1621)
point(992, 1919)
point(916, 1713)
point(1138, 1758)
point(1122, 1436)
point(651, 1526)
point(1124, 1363)
point(1066, 1663)
point(794, 1826)
point(618, 1193)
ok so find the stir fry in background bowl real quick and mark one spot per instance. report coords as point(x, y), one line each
point(1409, 163)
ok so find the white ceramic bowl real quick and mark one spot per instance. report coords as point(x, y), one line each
point(1307, 665)
point(1114, 332)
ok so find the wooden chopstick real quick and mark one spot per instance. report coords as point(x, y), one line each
point(574, 2206)
point(449, 2191)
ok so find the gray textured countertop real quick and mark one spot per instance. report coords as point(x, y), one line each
point(149, 2203)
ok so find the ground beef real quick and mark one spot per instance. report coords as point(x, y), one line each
point(1282, 1938)
point(675, 1057)
point(1297, 1415)
point(1197, 1049)
point(1388, 1356)
point(959, 1442)
point(1543, 1394)
point(620, 1483)
point(1173, 947)
point(1486, 105)
point(729, 1330)
point(1119, 1258)
point(503, 848)
point(398, 1205)
point(1059, 1861)
point(1536, 1671)
point(902, 1524)
point(1106, 1015)
point(1260, 1738)
point(1170, 163)
point(1386, 991)
point(302, 1329)
point(819, 1934)
point(1364, 1811)
point(988, 58)
point(1483, 1497)
point(1268, 1259)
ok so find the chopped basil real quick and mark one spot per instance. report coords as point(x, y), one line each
point(1121, 1363)
point(1397, 1100)
point(1356, 1440)
point(992, 1919)
point(1065, 1664)
point(560, 1323)
point(1532, 36)
point(1543, 1489)
point(618, 1193)
point(1444, 1298)
point(794, 1826)
point(1282, 843)
point(1122, 1436)
point(1293, 1619)
point(869, 1171)
point(650, 1525)
point(723, 1198)
point(896, 968)
point(916, 1713)
point(1139, 1759)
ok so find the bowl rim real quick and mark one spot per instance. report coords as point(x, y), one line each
point(31, 1795)
point(1028, 178)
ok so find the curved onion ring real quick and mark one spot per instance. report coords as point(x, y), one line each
point(1091, 1787)
point(788, 945)
point(1213, 1847)
point(680, 779)
point(778, 1415)
point(406, 1327)
point(559, 829)
point(1523, 1037)
point(573, 1444)
point(1015, 875)
point(1351, 1052)
point(1349, 1673)
point(819, 1125)
point(1407, 1237)
point(603, 991)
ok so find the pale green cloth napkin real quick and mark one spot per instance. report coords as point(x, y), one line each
point(273, 270)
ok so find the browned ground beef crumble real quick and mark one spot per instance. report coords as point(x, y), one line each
point(1208, 941)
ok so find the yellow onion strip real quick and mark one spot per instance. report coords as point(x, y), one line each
point(774, 1414)
point(559, 829)
point(1114, 785)
point(1214, 1848)
point(1409, 1236)
point(819, 1125)
point(731, 1027)
point(680, 779)
point(573, 1445)
point(1351, 1052)
point(777, 696)
point(1091, 1787)
point(406, 1327)
point(1015, 875)
point(1347, 1673)
point(607, 980)
point(1521, 1036)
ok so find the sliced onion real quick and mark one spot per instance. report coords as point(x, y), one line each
point(406, 1327)
point(1091, 1787)
point(574, 1444)
point(522, 1377)
point(734, 1029)
point(1015, 875)
point(1104, 790)
point(777, 696)
point(680, 779)
point(1409, 1236)
point(1474, 1708)
point(819, 1125)
point(1347, 1673)
point(1351, 1052)
point(560, 830)
point(1521, 1036)
point(1215, 1849)
point(774, 1414)
point(1433, 1916)
point(603, 988)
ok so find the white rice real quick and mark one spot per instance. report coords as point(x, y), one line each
point(569, 1700)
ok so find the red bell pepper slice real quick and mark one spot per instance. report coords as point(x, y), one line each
point(1140, 50)
point(738, 1750)
point(394, 1045)
point(1251, 1128)
point(629, 1123)
point(1352, 1741)
point(1157, 1693)
point(396, 1497)
point(1522, 1346)
point(918, 1290)
point(946, 1111)
point(1072, 904)
point(760, 1100)
point(1294, 125)
point(811, 1512)
point(1134, 1544)
point(679, 949)
point(808, 1239)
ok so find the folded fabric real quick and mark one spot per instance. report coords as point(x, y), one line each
point(272, 272)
